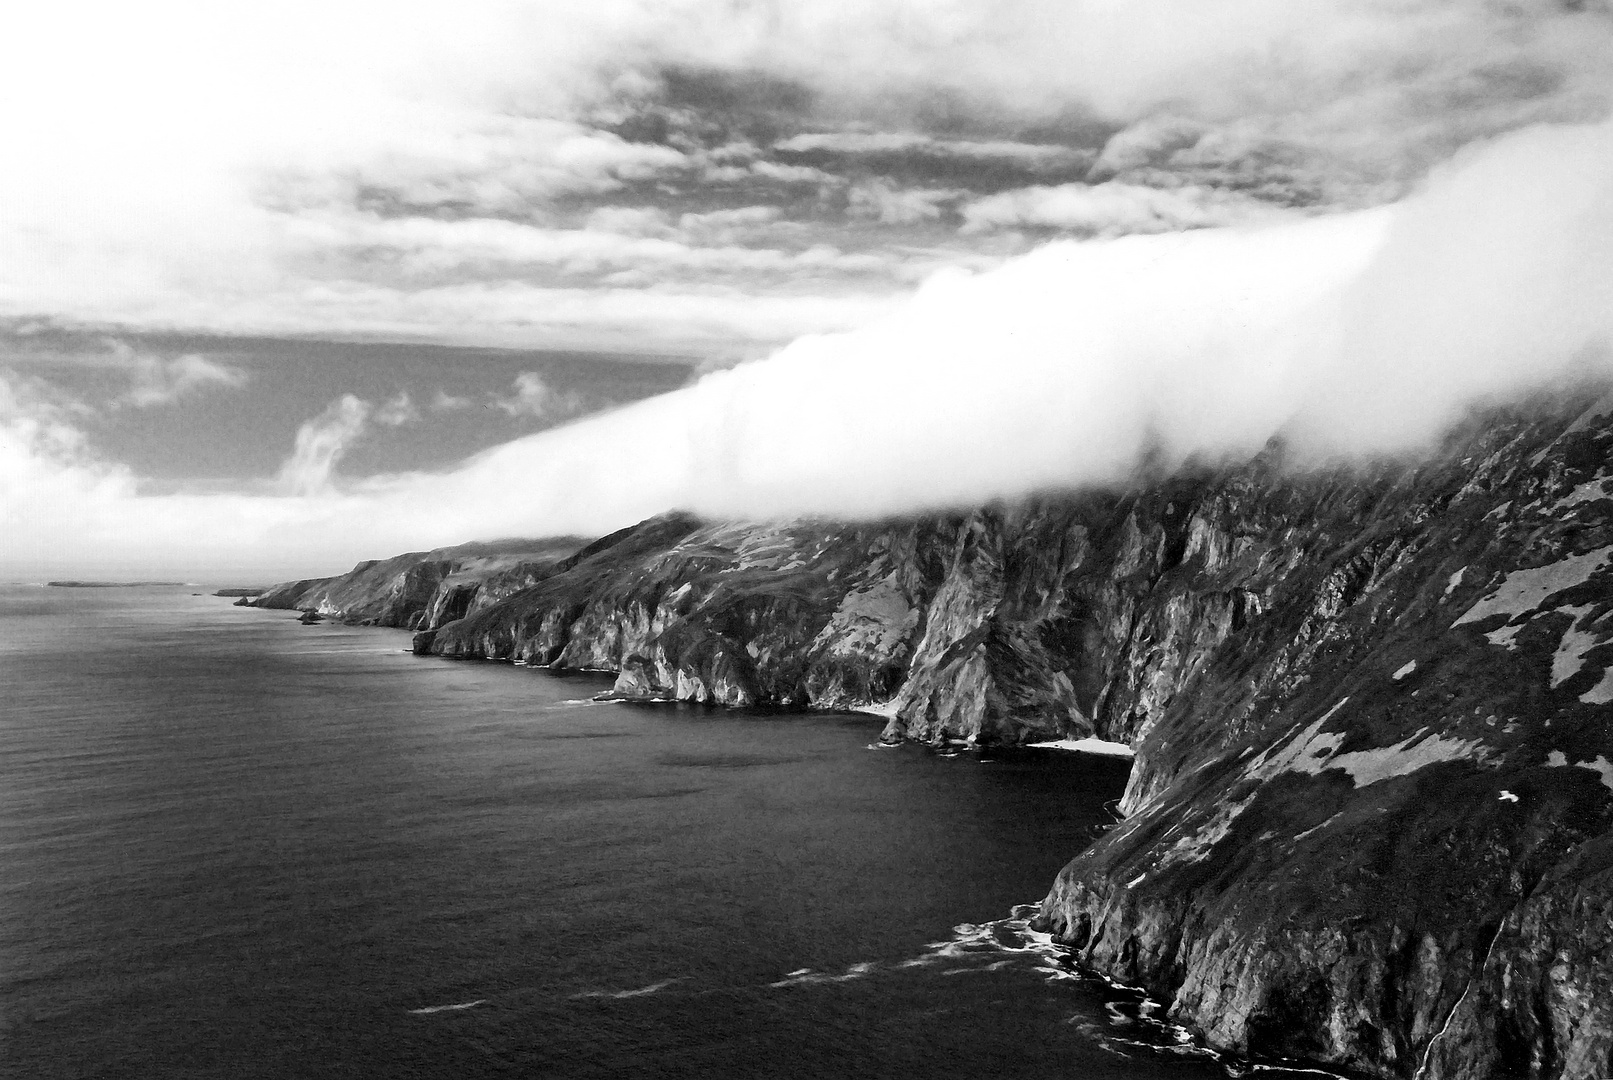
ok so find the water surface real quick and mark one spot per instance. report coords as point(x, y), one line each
point(235, 846)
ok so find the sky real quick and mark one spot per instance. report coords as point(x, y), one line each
point(282, 288)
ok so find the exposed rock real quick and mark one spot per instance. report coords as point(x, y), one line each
point(423, 589)
point(1368, 822)
point(1367, 828)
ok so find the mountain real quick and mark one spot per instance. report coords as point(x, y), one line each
point(1370, 820)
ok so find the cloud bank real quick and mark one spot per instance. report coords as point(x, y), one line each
point(556, 174)
point(1363, 331)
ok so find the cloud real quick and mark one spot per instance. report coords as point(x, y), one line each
point(157, 380)
point(890, 205)
point(380, 177)
point(1112, 209)
point(533, 396)
point(397, 411)
point(1035, 156)
point(321, 442)
point(446, 402)
point(1359, 332)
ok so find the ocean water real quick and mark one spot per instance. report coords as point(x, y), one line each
point(235, 846)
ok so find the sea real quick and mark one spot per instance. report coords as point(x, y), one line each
point(235, 846)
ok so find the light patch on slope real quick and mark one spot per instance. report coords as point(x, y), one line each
point(1570, 655)
point(760, 548)
point(1600, 408)
point(1406, 669)
point(1089, 746)
point(1455, 580)
point(1589, 491)
point(1601, 766)
point(1602, 692)
point(1524, 590)
point(1197, 846)
point(1314, 751)
point(1311, 741)
point(1505, 635)
point(871, 621)
point(1402, 759)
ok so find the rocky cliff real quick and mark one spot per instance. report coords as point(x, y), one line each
point(422, 587)
point(1369, 820)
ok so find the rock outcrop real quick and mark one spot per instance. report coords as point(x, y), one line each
point(1369, 821)
point(421, 588)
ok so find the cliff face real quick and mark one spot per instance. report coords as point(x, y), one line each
point(1369, 820)
point(423, 588)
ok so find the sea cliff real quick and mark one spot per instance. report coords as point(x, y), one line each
point(1370, 822)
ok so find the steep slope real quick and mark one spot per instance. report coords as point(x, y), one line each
point(423, 588)
point(1372, 827)
point(1369, 820)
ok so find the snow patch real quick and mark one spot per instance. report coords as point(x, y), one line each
point(1524, 590)
point(1405, 670)
point(1507, 796)
point(1455, 580)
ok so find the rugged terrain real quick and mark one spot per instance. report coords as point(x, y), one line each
point(421, 586)
point(1370, 822)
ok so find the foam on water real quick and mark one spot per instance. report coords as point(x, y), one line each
point(623, 995)
point(429, 1009)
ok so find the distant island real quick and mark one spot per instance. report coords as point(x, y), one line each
point(257, 591)
point(109, 584)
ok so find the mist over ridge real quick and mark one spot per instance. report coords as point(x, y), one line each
point(1349, 333)
point(1357, 333)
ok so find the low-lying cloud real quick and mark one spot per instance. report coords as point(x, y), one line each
point(1357, 332)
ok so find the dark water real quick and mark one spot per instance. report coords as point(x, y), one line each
point(234, 846)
